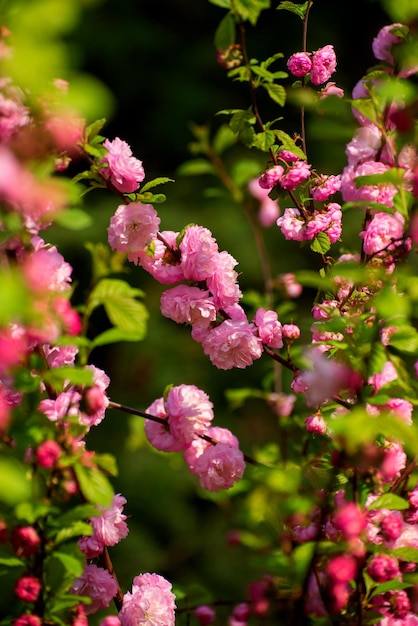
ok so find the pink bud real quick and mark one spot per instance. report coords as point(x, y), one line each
point(382, 568)
point(205, 615)
point(28, 588)
point(48, 453)
point(25, 541)
point(291, 332)
point(27, 620)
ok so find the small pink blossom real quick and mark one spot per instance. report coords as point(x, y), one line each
point(299, 64)
point(292, 225)
point(289, 284)
point(325, 186)
point(110, 526)
point(350, 520)
point(387, 375)
point(161, 261)
point(110, 620)
point(199, 445)
point(199, 253)
point(394, 461)
point(123, 170)
point(48, 453)
point(383, 42)
point(298, 173)
point(383, 567)
point(27, 620)
point(25, 541)
point(205, 615)
point(159, 435)
point(232, 344)
point(322, 382)
point(219, 467)
point(269, 328)
point(271, 177)
point(331, 89)
point(187, 304)
point(342, 569)
point(98, 584)
point(28, 588)
point(365, 144)
point(151, 602)
point(269, 209)
point(66, 404)
point(189, 411)
point(382, 194)
point(222, 283)
point(383, 234)
point(324, 63)
point(290, 332)
point(132, 228)
point(46, 270)
point(316, 424)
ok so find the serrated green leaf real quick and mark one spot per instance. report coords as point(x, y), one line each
point(225, 33)
point(390, 585)
point(106, 462)
point(287, 143)
point(406, 554)
point(196, 167)
point(405, 339)
point(11, 561)
point(276, 92)
point(250, 9)
point(94, 485)
point(389, 501)
point(75, 375)
point(115, 335)
point(292, 7)
point(162, 180)
point(321, 243)
point(264, 141)
point(262, 72)
point(366, 107)
point(80, 512)
point(150, 198)
point(128, 315)
point(73, 219)
point(247, 135)
point(393, 175)
point(78, 529)
point(94, 129)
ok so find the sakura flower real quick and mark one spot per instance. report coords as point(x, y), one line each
point(271, 177)
point(292, 225)
point(46, 269)
point(382, 193)
point(298, 173)
point(219, 467)
point(316, 424)
point(28, 588)
point(110, 526)
point(190, 412)
point(325, 186)
point(269, 328)
point(222, 281)
point(161, 261)
point(383, 234)
point(199, 252)
point(97, 584)
point(132, 228)
point(364, 145)
point(299, 64)
point(159, 435)
point(322, 382)
point(186, 304)
point(331, 89)
point(199, 445)
point(122, 169)
point(151, 602)
point(324, 63)
point(269, 209)
point(232, 344)
point(384, 41)
point(48, 453)
point(383, 567)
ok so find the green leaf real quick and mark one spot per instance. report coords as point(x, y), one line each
point(405, 339)
point(292, 7)
point(107, 463)
point(225, 33)
point(366, 107)
point(321, 243)
point(250, 9)
point(276, 92)
point(75, 375)
point(11, 561)
point(150, 198)
point(264, 141)
point(394, 176)
point(80, 512)
point(123, 310)
point(74, 219)
point(196, 167)
point(94, 129)
point(224, 4)
point(78, 529)
point(241, 120)
point(162, 180)
point(16, 484)
point(406, 554)
point(94, 485)
point(287, 143)
point(244, 170)
point(223, 139)
point(390, 585)
point(115, 335)
point(389, 501)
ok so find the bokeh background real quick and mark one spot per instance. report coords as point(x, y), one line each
point(158, 64)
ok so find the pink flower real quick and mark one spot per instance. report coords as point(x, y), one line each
point(232, 344)
point(186, 304)
point(323, 381)
point(151, 602)
point(341, 569)
point(46, 270)
point(383, 567)
point(205, 615)
point(28, 588)
point(394, 461)
point(387, 375)
point(299, 64)
point(65, 404)
point(325, 186)
point(219, 467)
point(328, 222)
point(383, 234)
point(27, 620)
point(108, 528)
point(123, 170)
point(364, 145)
point(159, 435)
point(25, 541)
point(269, 209)
point(97, 584)
point(199, 445)
point(289, 284)
point(331, 89)
point(190, 413)
point(162, 262)
point(350, 520)
point(199, 252)
point(93, 408)
point(292, 225)
point(111, 620)
point(290, 332)
point(384, 41)
point(48, 453)
point(270, 178)
point(13, 116)
point(269, 328)
point(324, 63)
point(222, 282)
point(382, 194)
point(132, 228)
point(298, 173)
point(316, 424)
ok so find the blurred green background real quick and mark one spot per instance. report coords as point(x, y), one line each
point(158, 61)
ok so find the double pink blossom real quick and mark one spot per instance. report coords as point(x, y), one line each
point(299, 64)
point(132, 228)
point(122, 169)
point(199, 251)
point(269, 329)
point(98, 584)
point(187, 304)
point(383, 234)
point(108, 528)
point(150, 603)
point(324, 63)
point(232, 344)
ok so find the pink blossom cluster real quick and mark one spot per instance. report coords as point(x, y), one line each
point(151, 602)
point(109, 527)
point(185, 415)
point(124, 171)
point(320, 64)
point(297, 226)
